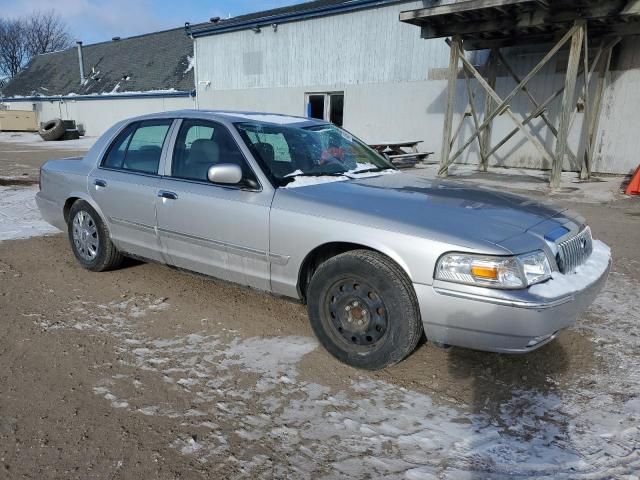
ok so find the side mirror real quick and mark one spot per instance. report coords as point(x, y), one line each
point(225, 173)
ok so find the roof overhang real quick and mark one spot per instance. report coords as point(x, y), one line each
point(498, 23)
point(81, 98)
point(280, 16)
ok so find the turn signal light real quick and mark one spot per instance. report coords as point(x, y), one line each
point(482, 271)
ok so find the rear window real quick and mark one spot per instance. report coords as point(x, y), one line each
point(139, 147)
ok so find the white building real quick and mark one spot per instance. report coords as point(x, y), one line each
point(355, 63)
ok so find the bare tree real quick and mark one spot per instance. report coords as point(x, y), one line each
point(23, 38)
point(13, 48)
point(45, 33)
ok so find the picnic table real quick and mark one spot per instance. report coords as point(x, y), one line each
point(402, 154)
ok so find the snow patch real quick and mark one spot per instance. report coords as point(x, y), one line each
point(307, 181)
point(585, 275)
point(190, 63)
point(371, 427)
point(19, 214)
point(34, 140)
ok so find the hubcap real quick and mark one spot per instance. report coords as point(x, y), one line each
point(85, 235)
point(357, 314)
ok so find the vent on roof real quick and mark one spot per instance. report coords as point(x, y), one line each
point(214, 19)
point(80, 62)
point(115, 39)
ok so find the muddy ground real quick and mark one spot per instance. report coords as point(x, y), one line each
point(148, 372)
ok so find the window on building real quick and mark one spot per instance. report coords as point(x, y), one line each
point(326, 106)
point(139, 147)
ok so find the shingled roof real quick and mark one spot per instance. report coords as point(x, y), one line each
point(159, 61)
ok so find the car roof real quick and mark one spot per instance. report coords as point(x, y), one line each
point(235, 117)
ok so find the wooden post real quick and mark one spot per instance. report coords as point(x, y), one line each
point(472, 105)
point(567, 102)
point(489, 105)
point(594, 120)
point(451, 99)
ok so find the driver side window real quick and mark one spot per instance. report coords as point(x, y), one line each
point(201, 144)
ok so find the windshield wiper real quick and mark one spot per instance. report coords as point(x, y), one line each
point(370, 170)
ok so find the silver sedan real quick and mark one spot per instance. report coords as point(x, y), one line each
point(303, 209)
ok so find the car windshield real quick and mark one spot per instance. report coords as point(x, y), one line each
point(286, 152)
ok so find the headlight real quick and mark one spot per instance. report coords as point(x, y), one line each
point(497, 272)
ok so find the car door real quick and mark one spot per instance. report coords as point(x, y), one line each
point(217, 230)
point(125, 186)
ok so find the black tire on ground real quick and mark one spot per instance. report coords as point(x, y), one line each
point(70, 135)
point(52, 130)
point(364, 310)
point(90, 239)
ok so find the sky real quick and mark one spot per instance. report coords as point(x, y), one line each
point(99, 20)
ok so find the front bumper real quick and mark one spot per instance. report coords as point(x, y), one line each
point(506, 321)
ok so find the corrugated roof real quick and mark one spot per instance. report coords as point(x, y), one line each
point(150, 62)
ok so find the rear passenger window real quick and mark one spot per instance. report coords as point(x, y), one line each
point(139, 147)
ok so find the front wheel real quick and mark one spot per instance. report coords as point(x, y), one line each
point(363, 309)
point(90, 240)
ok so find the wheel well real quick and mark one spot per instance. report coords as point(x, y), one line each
point(318, 256)
point(67, 207)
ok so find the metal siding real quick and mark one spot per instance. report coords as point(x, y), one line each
point(617, 150)
point(322, 51)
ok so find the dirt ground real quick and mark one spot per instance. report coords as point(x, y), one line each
point(148, 372)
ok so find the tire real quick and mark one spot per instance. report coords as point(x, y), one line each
point(52, 130)
point(90, 239)
point(70, 135)
point(363, 309)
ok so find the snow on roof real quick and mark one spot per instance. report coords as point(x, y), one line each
point(158, 61)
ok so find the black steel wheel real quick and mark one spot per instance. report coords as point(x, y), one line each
point(357, 313)
point(363, 309)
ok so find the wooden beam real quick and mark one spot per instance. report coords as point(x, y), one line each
point(532, 99)
point(587, 106)
point(503, 105)
point(531, 116)
point(511, 25)
point(472, 101)
point(567, 102)
point(451, 99)
point(492, 73)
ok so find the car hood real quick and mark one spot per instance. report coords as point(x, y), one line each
point(440, 210)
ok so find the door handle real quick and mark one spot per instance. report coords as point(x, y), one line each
point(167, 195)
point(100, 183)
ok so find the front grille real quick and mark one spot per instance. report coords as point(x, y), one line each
point(575, 251)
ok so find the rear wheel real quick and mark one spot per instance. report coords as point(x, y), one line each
point(90, 239)
point(363, 309)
